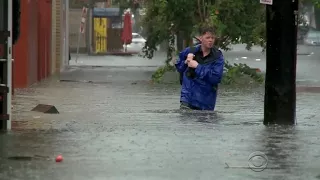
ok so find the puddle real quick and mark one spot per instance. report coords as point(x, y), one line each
point(21, 158)
point(28, 158)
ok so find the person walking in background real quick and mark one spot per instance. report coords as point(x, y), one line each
point(201, 69)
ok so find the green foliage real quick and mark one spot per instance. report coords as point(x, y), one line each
point(125, 4)
point(315, 2)
point(163, 19)
point(233, 19)
point(236, 21)
point(158, 74)
point(237, 73)
point(234, 74)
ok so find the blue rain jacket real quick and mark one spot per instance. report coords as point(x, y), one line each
point(201, 91)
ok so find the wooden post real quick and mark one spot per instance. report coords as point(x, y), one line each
point(280, 84)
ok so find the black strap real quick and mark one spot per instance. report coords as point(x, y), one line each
point(192, 50)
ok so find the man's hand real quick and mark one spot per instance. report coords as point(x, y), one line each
point(193, 64)
point(189, 58)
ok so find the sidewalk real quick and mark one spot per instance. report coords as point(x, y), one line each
point(130, 129)
point(301, 49)
point(307, 71)
point(117, 61)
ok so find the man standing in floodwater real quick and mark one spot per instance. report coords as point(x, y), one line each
point(201, 69)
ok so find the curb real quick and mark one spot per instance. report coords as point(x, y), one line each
point(304, 54)
point(106, 66)
point(308, 89)
point(115, 54)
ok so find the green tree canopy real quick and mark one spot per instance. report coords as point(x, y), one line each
point(231, 18)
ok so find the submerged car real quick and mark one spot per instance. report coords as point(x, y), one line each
point(138, 39)
point(137, 43)
point(312, 38)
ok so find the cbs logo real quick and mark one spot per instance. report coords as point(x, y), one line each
point(258, 161)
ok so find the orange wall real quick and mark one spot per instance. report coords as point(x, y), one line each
point(44, 39)
point(32, 42)
point(20, 49)
point(31, 52)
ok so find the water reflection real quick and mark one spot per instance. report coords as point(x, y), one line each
point(26, 143)
point(206, 117)
point(280, 145)
point(25, 154)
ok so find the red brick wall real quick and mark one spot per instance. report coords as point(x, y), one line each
point(32, 51)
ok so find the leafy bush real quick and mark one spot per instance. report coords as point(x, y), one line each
point(158, 74)
point(233, 74)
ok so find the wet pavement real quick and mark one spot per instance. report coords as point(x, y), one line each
point(117, 125)
point(308, 61)
point(117, 61)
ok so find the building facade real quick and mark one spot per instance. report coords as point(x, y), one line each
point(42, 49)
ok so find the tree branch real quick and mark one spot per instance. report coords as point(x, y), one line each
point(199, 10)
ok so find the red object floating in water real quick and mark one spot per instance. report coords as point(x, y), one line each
point(59, 158)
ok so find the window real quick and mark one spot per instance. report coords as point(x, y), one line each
point(136, 36)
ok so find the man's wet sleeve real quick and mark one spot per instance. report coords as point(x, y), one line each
point(211, 73)
point(180, 65)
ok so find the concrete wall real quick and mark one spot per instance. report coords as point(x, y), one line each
point(75, 12)
point(74, 27)
point(64, 35)
point(56, 37)
point(53, 37)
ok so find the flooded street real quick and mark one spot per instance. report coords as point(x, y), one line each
point(88, 59)
point(123, 127)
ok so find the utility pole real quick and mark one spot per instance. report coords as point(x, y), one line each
point(9, 34)
point(280, 83)
point(5, 64)
point(89, 27)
